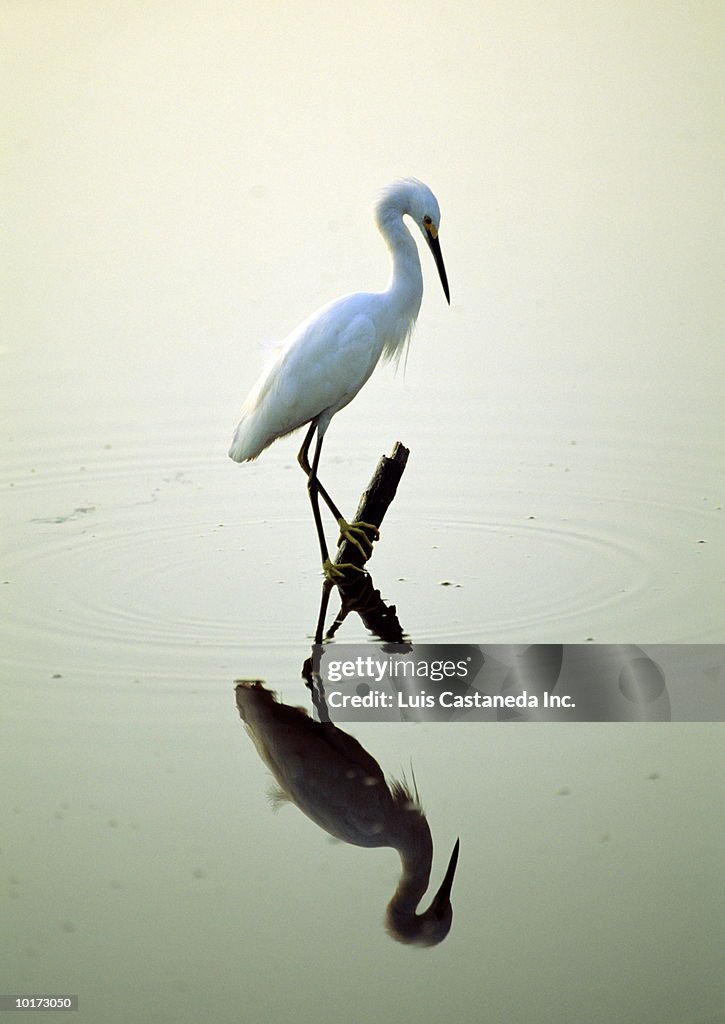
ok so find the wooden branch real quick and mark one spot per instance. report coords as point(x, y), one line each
point(376, 498)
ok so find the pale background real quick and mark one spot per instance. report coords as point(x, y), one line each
point(185, 182)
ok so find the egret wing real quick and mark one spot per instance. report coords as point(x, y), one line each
point(321, 368)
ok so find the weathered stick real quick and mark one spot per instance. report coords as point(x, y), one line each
point(376, 498)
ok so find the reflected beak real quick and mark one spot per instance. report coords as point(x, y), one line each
point(435, 247)
point(443, 896)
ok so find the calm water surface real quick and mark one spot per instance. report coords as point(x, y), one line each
point(564, 485)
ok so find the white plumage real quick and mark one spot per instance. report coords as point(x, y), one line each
point(329, 357)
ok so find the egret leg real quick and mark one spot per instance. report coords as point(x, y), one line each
point(333, 571)
point(359, 534)
point(307, 469)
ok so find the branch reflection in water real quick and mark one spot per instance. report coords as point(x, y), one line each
point(358, 594)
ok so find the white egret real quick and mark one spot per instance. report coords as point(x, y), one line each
point(327, 359)
point(341, 787)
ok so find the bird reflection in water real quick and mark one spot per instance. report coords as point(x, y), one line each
point(341, 787)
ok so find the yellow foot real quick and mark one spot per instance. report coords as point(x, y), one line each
point(337, 571)
point(357, 534)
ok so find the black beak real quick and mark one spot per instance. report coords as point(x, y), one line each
point(435, 247)
point(443, 896)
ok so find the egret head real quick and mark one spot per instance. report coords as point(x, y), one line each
point(426, 213)
point(432, 926)
point(414, 198)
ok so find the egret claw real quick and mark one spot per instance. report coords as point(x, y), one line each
point(335, 572)
point(356, 533)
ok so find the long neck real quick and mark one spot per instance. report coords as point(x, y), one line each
point(406, 279)
point(416, 858)
point(402, 919)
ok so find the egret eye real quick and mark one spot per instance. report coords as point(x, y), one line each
point(427, 221)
